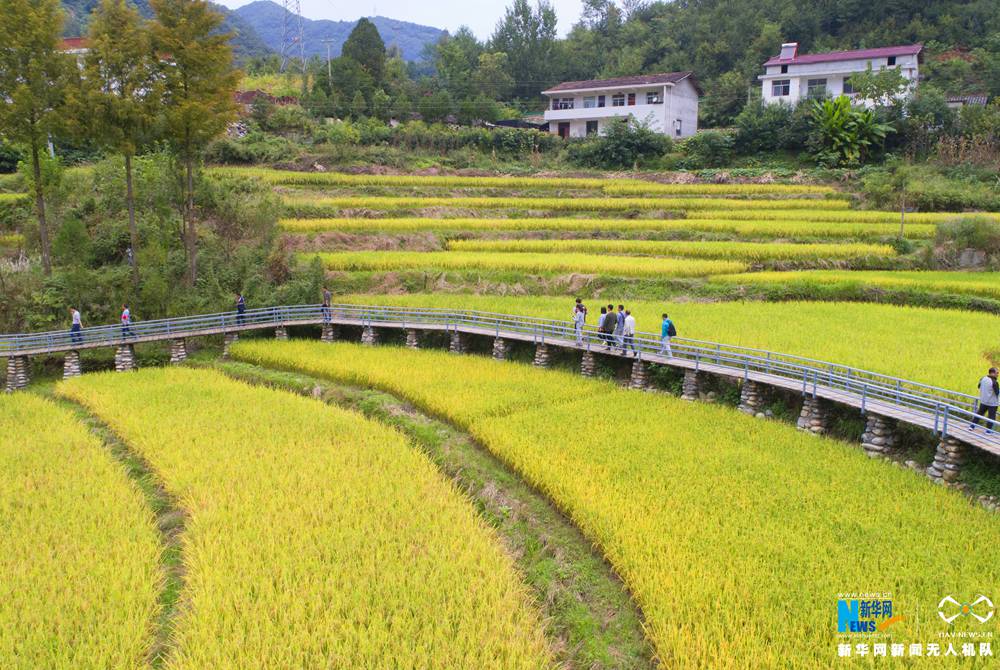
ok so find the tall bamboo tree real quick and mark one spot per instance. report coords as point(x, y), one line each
point(120, 92)
point(31, 88)
point(199, 84)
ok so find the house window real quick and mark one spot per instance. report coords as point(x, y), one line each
point(653, 98)
point(784, 69)
point(848, 86)
point(590, 103)
point(781, 88)
point(618, 100)
point(591, 128)
point(677, 127)
point(816, 88)
point(600, 101)
point(892, 60)
point(631, 99)
point(564, 103)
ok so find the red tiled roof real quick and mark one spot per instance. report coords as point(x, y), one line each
point(831, 56)
point(636, 80)
point(74, 43)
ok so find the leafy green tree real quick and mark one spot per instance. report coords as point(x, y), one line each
point(32, 87)
point(359, 107)
point(528, 37)
point(365, 47)
point(455, 58)
point(625, 144)
point(436, 106)
point(199, 83)
point(883, 88)
point(120, 93)
point(491, 78)
point(402, 106)
point(381, 104)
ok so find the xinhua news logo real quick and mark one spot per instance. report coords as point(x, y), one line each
point(864, 615)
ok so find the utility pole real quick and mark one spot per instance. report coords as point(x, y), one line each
point(329, 73)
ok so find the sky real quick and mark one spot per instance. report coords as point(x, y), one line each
point(482, 16)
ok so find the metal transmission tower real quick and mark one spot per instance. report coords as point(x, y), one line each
point(293, 43)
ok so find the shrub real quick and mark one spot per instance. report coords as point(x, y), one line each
point(626, 143)
point(977, 233)
point(762, 128)
point(707, 149)
point(253, 148)
point(846, 135)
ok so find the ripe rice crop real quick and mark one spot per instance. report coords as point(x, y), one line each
point(763, 229)
point(985, 284)
point(901, 341)
point(317, 538)
point(835, 216)
point(614, 266)
point(609, 186)
point(79, 552)
point(715, 521)
point(750, 252)
point(320, 206)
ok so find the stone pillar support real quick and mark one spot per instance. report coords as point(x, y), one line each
point(752, 398)
point(228, 340)
point(330, 333)
point(640, 375)
point(693, 383)
point(178, 351)
point(815, 415)
point(369, 336)
point(71, 365)
point(588, 364)
point(948, 461)
point(125, 358)
point(879, 439)
point(281, 333)
point(412, 338)
point(500, 349)
point(541, 355)
point(457, 345)
point(18, 373)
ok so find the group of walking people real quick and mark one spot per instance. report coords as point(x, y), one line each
point(76, 324)
point(616, 329)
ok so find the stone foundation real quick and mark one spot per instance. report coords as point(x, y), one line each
point(413, 338)
point(500, 349)
point(228, 340)
point(542, 355)
point(640, 375)
point(752, 399)
point(18, 373)
point(588, 364)
point(125, 358)
point(693, 383)
point(457, 344)
point(71, 365)
point(879, 439)
point(815, 415)
point(330, 333)
point(178, 351)
point(948, 461)
point(369, 336)
point(281, 333)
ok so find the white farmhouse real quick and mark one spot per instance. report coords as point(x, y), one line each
point(790, 77)
point(668, 103)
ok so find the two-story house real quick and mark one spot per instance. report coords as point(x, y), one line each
point(790, 77)
point(668, 103)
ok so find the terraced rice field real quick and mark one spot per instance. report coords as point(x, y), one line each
point(750, 252)
point(715, 521)
point(831, 215)
point(79, 552)
point(796, 229)
point(317, 538)
point(614, 266)
point(894, 340)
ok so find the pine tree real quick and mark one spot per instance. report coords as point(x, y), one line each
point(365, 46)
point(120, 92)
point(32, 86)
point(199, 84)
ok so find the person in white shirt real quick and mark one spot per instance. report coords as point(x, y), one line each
point(75, 330)
point(579, 319)
point(628, 333)
point(989, 398)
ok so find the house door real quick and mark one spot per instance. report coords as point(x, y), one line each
point(564, 129)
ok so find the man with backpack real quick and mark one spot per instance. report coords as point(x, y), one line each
point(667, 331)
point(989, 398)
